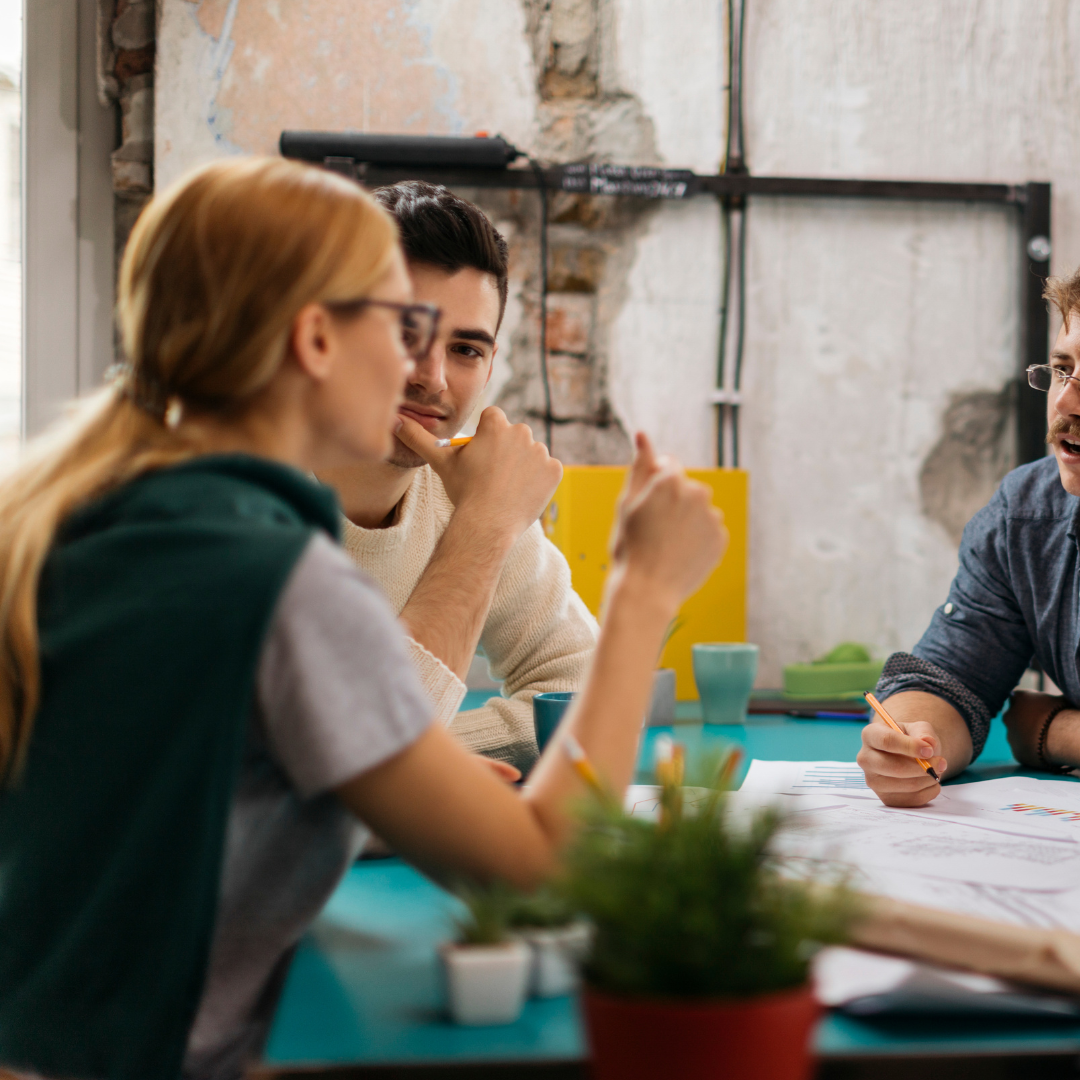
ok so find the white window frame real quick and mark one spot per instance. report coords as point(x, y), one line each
point(67, 222)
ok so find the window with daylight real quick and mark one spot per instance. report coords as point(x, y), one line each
point(10, 228)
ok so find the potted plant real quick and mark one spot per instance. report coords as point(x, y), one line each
point(487, 970)
point(559, 940)
point(699, 963)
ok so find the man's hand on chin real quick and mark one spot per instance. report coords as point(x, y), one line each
point(1024, 720)
point(503, 479)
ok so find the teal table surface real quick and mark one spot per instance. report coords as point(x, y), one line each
point(365, 986)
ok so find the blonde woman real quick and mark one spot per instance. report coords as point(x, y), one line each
point(200, 698)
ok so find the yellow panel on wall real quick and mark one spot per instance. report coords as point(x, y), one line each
point(578, 522)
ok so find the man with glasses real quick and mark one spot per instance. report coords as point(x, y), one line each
point(1015, 599)
point(451, 534)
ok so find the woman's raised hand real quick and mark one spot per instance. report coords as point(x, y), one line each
point(667, 533)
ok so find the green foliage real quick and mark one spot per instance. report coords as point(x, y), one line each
point(673, 628)
point(546, 907)
point(847, 652)
point(692, 907)
point(487, 912)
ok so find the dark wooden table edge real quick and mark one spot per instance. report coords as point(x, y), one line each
point(991, 1065)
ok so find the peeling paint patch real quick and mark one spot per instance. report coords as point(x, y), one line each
point(375, 72)
point(970, 459)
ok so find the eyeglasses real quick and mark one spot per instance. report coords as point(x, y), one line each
point(1042, 376)
point(418, 322)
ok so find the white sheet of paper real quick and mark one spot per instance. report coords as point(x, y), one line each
point(806, 778)
point(1020, 907)
point(842, 975)
point(1006, 849)
point(866, 836)
point(1005, 812)
point(643, 800)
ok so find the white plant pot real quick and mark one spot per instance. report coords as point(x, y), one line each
point(662, 706)
point(557, 956)
point(486, 984)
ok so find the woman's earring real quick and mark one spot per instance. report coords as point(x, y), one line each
point(174, 412)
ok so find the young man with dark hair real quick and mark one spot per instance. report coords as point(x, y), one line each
point(1016, 597)
point(431, 524)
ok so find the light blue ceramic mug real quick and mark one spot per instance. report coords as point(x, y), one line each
point(725, 673)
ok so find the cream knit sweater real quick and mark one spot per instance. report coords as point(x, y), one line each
point(539, 635)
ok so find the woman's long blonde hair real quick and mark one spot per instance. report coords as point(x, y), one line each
point(214, 274)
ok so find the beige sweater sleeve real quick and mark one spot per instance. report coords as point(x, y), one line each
point(539, 636)
point(445, 690)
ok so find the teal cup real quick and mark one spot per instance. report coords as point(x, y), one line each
point(725, 673)
point(548, 710)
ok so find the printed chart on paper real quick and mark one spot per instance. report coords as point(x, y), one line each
point(1006, 849)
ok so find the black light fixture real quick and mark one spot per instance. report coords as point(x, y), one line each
point(430, 151)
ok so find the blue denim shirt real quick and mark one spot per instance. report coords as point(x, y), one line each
point(1015, 596)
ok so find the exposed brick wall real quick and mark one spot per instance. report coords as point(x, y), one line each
point(584, 116)
point(126, 53)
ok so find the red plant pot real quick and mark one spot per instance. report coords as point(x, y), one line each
point(759, 1038)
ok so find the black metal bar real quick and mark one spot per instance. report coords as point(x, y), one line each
point(1035, 322)
point(728, 185)
point(652, 183)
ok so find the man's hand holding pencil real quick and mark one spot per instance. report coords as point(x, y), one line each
point(902, 760)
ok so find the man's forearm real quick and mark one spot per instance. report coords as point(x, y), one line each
point(447, 609)
point(912, 705)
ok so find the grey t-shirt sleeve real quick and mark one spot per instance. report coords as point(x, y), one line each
point(337, 692)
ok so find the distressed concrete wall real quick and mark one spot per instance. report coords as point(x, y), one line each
point(879, 336)
point(234, 73)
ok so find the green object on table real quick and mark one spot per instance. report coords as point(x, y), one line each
point(847, 671)
point(365, 989)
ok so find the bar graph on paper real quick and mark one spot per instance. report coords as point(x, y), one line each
point(1031, 810)
point(830, 775)
point(807, 778)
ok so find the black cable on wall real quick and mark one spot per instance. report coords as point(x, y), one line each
point(733, 255)
point(542, 192)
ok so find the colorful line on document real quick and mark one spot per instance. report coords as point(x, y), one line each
point(1043, 811)
point(832, 776)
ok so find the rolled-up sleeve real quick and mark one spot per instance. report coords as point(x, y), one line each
point(978, 643)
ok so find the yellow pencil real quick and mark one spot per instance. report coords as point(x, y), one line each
point(880, 710)
point(582, 765)
point(457, 440)
point(670, 762)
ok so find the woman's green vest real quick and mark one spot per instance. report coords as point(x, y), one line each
point(153, 607)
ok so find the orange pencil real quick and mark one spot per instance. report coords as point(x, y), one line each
point(880, 710)
point(732, 763)
point(457, 440)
